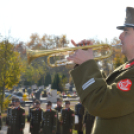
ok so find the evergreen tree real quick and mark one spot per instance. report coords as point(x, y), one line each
point(56, 83)
point(47, 79)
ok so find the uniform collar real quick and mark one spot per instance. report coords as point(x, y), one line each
point(17, 107)
point(49, 110)
point(67, 109)
point(38, 109)
point(129, 64)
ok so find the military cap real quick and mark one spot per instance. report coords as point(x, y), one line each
point(49, 103)
point(59, 99)
point(16, 99)
point(67, 102)
point(129, 20)
point(13, 98)
point(37, 102)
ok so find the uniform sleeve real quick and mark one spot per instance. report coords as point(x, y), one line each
point(22, 119)
point(54, 126)
point(72, 116)
point(98, 97)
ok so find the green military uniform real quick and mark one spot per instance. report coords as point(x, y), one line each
point(111, 100)
point(17, 120)
point(8, 119)
point(0, 122)
point(36, 120)
point(29, 117)
point(89, 121)
point(49, 124)
point(67, 120)
point(79, 111)
point(59, 128)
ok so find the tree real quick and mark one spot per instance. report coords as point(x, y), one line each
point(47, 79)
point(10, 69)
point(63, 81)
point(56, 83)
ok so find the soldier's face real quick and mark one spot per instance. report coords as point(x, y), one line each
point(127, 41)
point(59, 103)
point(67, 105)
point(48, 106)
point(37, 105)
point(16, 104)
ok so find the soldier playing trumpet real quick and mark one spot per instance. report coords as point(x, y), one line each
point(110, 99)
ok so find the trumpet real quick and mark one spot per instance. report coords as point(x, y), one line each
point(33, 54)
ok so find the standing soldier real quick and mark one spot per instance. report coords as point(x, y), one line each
point(9, 116)
point(36, 118)
point(49, 124)
point(58, 108)
point(30, 113)
point(17, 118)
point(67, 119)
point(79, 111)
point(88, 121)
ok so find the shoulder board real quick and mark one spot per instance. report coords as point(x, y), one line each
point(22, 108)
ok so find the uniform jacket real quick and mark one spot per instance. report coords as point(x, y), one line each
point(17, 120)
point(110, 100)
point(9, 119)
point(9, 115)
point(36, 120)
point(49, 123)
point(67, 120)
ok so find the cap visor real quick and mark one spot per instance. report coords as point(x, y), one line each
point(120, 27)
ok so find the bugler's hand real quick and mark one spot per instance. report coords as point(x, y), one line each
point(80, 56)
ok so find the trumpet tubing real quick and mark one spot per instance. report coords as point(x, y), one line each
point(33, 54)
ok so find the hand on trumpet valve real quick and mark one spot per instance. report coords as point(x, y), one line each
point(81, 56)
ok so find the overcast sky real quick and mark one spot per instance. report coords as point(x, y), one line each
point(78, 19)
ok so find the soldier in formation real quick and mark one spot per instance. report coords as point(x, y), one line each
point(67, 119)
point(79, 112)
point(49, 124)
point(58, 108)
point(36, 118)
point(111, 100)
point(16, 123)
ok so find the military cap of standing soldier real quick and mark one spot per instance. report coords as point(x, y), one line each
point(111, 100)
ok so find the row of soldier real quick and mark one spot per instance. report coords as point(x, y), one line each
point(49, 121)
